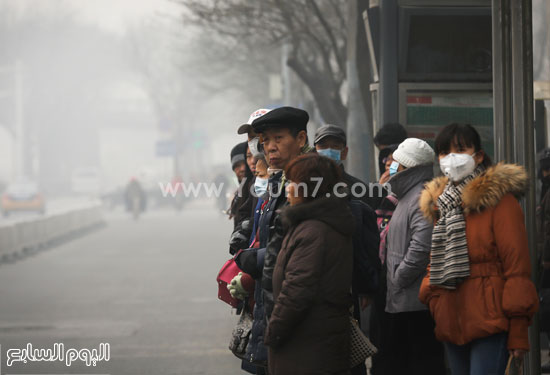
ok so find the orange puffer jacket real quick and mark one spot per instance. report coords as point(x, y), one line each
point(498, 296)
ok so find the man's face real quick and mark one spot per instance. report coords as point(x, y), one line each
point(281, 147)
point(333, 143)
point(240, 170)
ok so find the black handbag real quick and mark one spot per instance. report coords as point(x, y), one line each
point(241, 334)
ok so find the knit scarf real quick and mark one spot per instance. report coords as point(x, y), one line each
point(450, 263)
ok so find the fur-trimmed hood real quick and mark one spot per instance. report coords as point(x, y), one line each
point(485, 191)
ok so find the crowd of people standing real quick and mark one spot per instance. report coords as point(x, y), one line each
point(443, 262)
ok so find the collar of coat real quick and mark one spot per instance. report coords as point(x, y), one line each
point(485, 191)
point(333, 211)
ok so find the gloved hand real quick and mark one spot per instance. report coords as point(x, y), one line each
point(236, 287)
point(237, 241)
point(240, 237)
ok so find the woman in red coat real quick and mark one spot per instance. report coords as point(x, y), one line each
point(478, 287)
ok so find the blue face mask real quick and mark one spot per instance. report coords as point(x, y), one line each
point(393, 167)
point(260, 187)
point(331, 154)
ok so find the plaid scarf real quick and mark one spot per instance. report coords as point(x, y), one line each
point(450, 263)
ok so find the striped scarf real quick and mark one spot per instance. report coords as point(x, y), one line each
point(450, 263)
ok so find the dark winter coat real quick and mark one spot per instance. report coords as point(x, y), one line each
point(271, 230)
point(252, 262)
point(370, 198)
point(366, 241)
point(308, 332)
point(244, 220)
point(242, 204)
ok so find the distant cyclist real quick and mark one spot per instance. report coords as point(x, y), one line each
point(135, 198)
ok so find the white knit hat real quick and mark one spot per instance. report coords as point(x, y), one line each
point(413, 152)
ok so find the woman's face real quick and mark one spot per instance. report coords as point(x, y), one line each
point(388, 162)
point(250, 160)
point(470, 150)
point(293, 194)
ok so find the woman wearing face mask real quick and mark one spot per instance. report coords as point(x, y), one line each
point(388, 160)
point(407, 340)
point(478, 285)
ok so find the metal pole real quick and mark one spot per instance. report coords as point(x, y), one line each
point(513, 113)
point(522, 99)
point(502, 81)
point(388, 92)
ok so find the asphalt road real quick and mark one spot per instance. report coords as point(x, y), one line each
point(146, 287)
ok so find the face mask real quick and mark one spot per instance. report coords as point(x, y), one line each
point(331, 154)
point(254, 146)
point(260, 187)
point(393, 167)
point(457, 166)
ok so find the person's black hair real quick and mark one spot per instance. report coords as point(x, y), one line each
point(462, 136)
point(544, 161)
point(389, 134)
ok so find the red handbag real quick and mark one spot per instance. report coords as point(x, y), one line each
point(226, 274)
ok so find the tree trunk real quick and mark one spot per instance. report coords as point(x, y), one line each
point(331, 107)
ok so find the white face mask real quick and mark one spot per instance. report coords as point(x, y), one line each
point(457, 166)
point(260, 187)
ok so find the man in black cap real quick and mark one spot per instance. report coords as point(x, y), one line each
point(284, 137)
point(284, 133)
point(389, 134)
point(331, 141)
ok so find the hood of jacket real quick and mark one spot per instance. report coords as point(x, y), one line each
point(485, 191)
point(405, 180)
point(332, 211)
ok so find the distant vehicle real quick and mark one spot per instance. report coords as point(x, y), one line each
point(86, 180)
point(22, 195)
